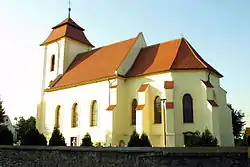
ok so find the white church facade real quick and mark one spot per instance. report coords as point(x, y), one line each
point(164, 90)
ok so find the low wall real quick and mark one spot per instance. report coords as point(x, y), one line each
point(131, 157)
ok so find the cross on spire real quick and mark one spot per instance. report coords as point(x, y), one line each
point(182, 35)
point(69, 9)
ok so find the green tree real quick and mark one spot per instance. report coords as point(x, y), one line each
point(86, 140)
point(144, 141)
point(207, 139)
point(33, 137)
point(57, 138)
point(134, 140)
point(6, 137)
point(2, 112)
point(24, 125)
point(237, 121)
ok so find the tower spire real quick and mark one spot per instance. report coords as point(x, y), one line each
point(69, 9)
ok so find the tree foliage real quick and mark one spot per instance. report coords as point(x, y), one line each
point(86, 140)
point(137, 141)
point(145, 141)
point(195, 139)
point(24, 125)
point(2, 112)
point(237, 121)
point(207, 139)
point(6, 136)
point(134, 140)
point(33, 137)
point(57, 138)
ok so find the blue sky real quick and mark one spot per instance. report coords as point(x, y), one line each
point(218, 30)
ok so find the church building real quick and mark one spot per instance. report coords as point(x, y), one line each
point(165, 90)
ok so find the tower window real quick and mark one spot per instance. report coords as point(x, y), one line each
point(52, 63)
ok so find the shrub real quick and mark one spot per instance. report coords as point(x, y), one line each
point(144, 141)
point(137, 141)
point(86, 140)
point(6, 137)
point(195, 139)
point(33, 137)
point(134, 140)
point(57, 138)
point(207, 139)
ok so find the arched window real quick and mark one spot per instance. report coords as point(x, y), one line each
point(134, 105)
point(188, 115)
point(74, 116)
point(94, 114)
point(57, 116)
point(157, 110)
point(52, 63)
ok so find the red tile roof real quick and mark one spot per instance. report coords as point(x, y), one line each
point(169, 84)
point(208, 84)
point(96, 64)
point(213, 103)
point(102, 62)
point(67, 28)
point(143, 87)
point(111, 107)
point(140, 107)
point(173, 55)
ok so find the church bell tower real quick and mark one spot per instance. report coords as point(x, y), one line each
point(64, 43)
point(66, 40)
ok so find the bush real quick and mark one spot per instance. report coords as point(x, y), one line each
point(195, 139)
point(33, 137)
point(208, 140)
point(57, 138)
point(134, 140)
point(86, 140)
point(144, 141)
point(6, 137)
point(137, 141)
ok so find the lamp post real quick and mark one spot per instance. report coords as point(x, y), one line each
point(164, 120)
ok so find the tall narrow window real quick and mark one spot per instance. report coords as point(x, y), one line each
point(52, 63)
point(94, 114)
point(74, 116)
point(134, 105)
point(188, 115)
point(157, 110)
point(57, 116)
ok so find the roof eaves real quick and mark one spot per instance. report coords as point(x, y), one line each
point(80, 83)
point(202, 61)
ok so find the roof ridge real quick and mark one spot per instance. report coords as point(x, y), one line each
point(162, 43)
point(179, 45)
point(70, 22)
point(201, 61)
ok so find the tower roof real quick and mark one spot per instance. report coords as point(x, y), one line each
point(67, 28)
